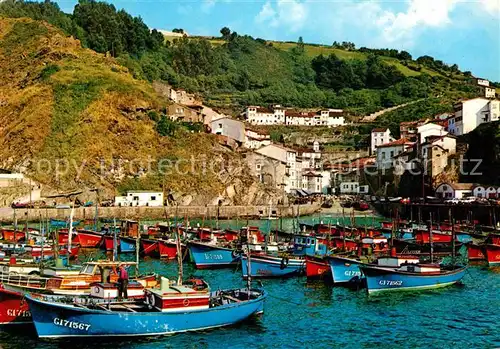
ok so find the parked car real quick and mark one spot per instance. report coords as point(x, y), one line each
point(453, 201)
point(22, 205)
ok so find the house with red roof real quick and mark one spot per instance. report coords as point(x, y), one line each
point(387, 152)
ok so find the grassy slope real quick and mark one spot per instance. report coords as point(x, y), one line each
point(316, 50)
point(60, 102)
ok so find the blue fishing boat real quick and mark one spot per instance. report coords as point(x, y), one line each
point(127, 244)
point(59, 223)
point(347, 270)
point(344, 270)
point(266, 266)
point(206, 255)
point(410, 277)
point(161, 313)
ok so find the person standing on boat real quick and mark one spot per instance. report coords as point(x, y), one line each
point(122, 282)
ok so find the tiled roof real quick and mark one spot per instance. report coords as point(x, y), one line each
point(401, 141)
point(380, 129)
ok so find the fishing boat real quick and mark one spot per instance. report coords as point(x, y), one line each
point(212, 255)
point(475, 252)
point(127, 244)
point(317, 267)
point(55, 319)
point(85, 238)
point(167, 248)
point(346, 270)
point(424, 237)
point(13, 235)
point(410, 277)
point(492, 254)
point(266, 266)
point(149, 247)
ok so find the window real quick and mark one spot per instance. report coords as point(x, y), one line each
point(258, 167)
point(220, 125)
point(392, 153)
point(135, 198)
point(445, 187)
point(153, 198)
point(383, 155)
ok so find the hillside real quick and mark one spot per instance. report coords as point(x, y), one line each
point(72, 118)
point(235, 70)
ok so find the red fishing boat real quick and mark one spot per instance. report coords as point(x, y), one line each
point(423, 237)
point(48, 251)
point(109, 242)
point(13, 310)
point(494, 238)
point(345, 244)
point(475, 252)
point(167, 248)
point(150, 247)
point(493, 254)
point(13, 235)
point(317, 268)
point(89, 239)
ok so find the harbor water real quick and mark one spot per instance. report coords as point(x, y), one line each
point(299, 314)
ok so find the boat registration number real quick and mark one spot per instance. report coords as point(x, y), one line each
point(213, 256)
point(18, 312)
point(390, 282)
point(352, 273)
point(71, 324)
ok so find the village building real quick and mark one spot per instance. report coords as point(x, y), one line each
point(388, 151)
point(489, 192)
point(487, 91)
point(287, 156)
point(267, 170)
point(178, 112)
point(435, 157)
point(230, 128)
point(471, 113)
point(255, 139)
point(265, 116)
point(379, 136)
point(430, 130)
point(454, 190)
point(277, 115)
point(140, 198)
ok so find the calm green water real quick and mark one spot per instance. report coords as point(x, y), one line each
point(298, 315)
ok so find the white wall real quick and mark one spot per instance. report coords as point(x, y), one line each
point(153, 199)
point(385, 156)
point(379, 138)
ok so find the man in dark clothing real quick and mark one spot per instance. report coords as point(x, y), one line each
point(122, 282)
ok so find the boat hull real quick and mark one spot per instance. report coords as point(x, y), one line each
point(205, 256)
point(317, 268)
point(493, 255)
point(167, 250)
point(272, 267)
point(54, 320)
point(149, 247)
point(127, 245)
point(475, 252)
point(384, 279)
point(89, 240)
point(344, 270)
point(14, 309)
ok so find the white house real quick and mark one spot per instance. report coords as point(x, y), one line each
point(140, 198)
point(254, 139)
point(454, 190)
point(471, 113)
point(230, 128)
point(448, 142)
point(265, 116)
point(287, 156)
point(484, 85)
point(380, 136)
point(387, 152)
point(430, 129)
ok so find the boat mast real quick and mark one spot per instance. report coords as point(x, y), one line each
point(452, 221)
point(179, 249)
point(115, 242)
point(70, 230)
point(42, 231)
point(96, 208)
point(430, 238)
point(249, 266)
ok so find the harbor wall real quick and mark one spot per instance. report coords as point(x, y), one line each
point(158, 213)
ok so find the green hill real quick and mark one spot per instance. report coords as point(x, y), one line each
point(73, 118)
point(236, 70)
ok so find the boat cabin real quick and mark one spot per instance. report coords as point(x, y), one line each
point(421, 268)
point(397, 261)
point(309, 245)
point(193, 295)
point(106, 290)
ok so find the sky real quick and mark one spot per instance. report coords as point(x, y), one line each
point(463, 32)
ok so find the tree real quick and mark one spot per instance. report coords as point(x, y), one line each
point(225, 33)
point(300, 45)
